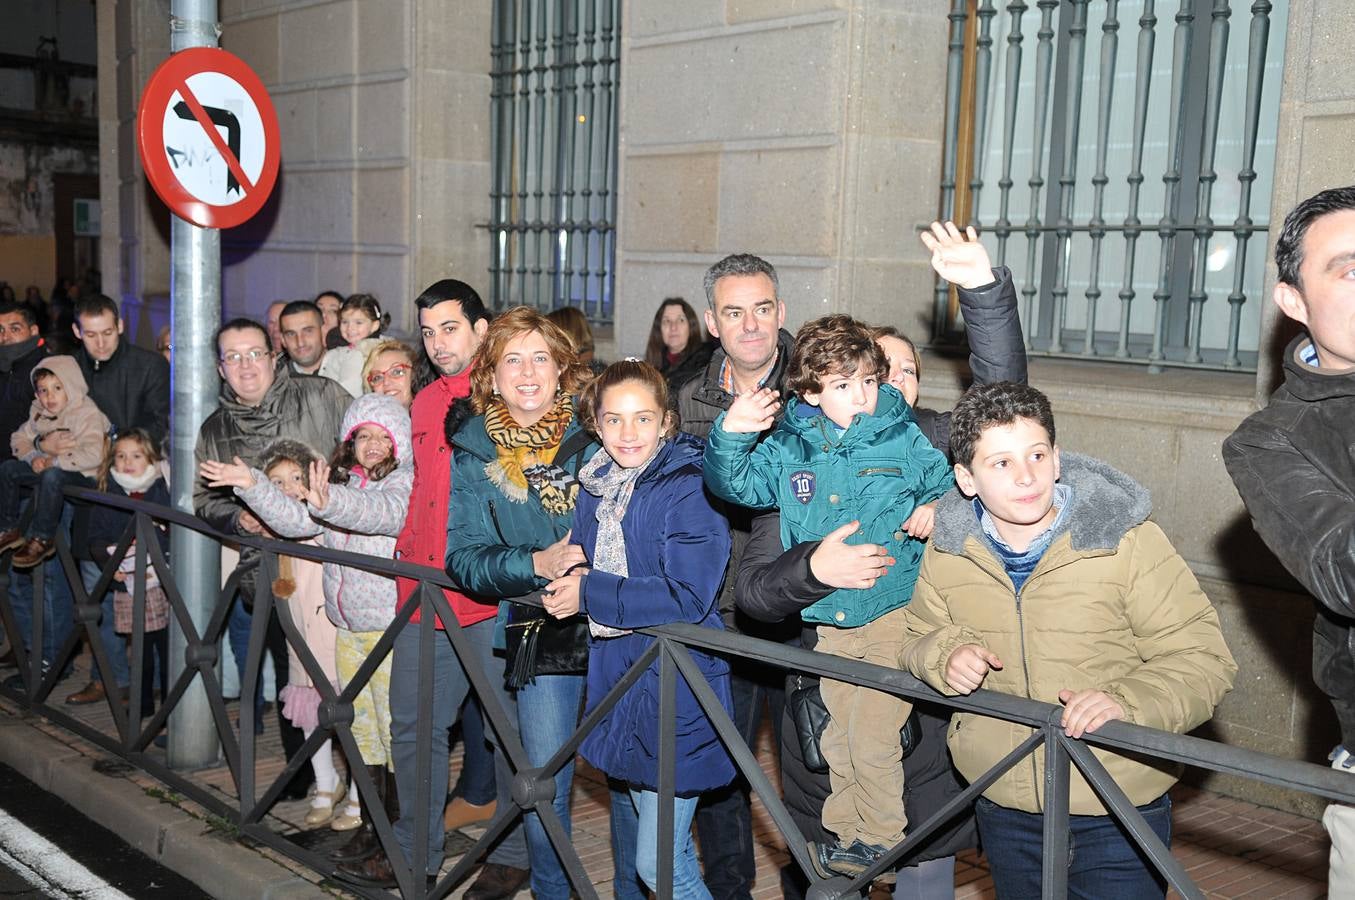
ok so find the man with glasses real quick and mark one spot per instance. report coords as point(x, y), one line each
point(261, 404)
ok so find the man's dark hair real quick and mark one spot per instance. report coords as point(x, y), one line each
point(300, 306)
point(94, 305)
point(472, 307)
point(10, 307)
point(241, 324)
point(738, 264)
point(1289, 246)
point(985, 406)
point(832, 345)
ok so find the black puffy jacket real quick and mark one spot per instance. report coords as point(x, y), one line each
point(16, 392)
point(1292, 464)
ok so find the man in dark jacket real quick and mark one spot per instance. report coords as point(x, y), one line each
point(130, 385)
point(772, 585)
point(746, 315)
point(261, 404)
point(22, 348)
point(1292, 464)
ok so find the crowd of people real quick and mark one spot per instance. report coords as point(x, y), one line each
point(572, 502)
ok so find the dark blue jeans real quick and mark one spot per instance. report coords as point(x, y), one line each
point(48, 501)
point(1102, 860)
point(57, 604)
point(476, 783)
point(112, 641)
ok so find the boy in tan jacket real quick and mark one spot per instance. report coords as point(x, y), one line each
point(62, 444)
point(1045, 579)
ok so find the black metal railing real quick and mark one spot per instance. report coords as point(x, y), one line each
point(553, 100)
point(533, 787)
point(1193, 109)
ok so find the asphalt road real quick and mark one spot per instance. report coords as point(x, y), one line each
point(47, 849)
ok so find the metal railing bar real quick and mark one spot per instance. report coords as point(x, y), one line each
point(573, 866)
point(745, 761)
point(139, 522)
point(423, 731)
point(1054, 856)
point(667, 767)
point(1124, 811)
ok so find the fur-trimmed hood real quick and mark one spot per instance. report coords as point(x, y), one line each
point(1106, 503)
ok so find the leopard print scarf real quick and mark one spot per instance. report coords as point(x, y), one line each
point(525, 457)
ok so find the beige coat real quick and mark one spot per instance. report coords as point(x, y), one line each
point(81, 417)
point(1110, 606)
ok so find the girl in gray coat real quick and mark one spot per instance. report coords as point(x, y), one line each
point(356, 503)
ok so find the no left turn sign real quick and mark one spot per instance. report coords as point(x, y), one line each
point(208, 137)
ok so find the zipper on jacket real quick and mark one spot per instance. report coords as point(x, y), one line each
point(1025, 668)
point(494, 517)
point(880, 470)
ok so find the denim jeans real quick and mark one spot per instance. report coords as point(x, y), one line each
point(687, 881)
point(476, 783)
point(450, 687)
point(112, 641)
point(1102, 860)
point(48, 501)
point(58, 607)
point(548, 713)
point(625, 825)
point(237, 631)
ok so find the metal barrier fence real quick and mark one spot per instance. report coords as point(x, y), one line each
point(533, 787)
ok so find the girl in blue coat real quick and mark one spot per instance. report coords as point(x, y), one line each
point(656, 548)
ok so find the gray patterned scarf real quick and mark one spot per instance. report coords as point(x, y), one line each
point(614, 490)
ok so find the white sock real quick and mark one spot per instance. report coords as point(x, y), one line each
point(354, 805)
point(326, 776)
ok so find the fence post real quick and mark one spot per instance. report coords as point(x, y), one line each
point(195, 288)
point(1054, 879)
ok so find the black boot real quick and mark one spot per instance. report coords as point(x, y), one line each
point(375, 869)
point(364, 842)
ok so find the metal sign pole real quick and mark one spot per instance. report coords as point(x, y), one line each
point(195, 291)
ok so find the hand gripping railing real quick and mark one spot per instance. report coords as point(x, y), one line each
point(533, 788)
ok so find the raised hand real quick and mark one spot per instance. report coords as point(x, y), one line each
point(752, 413)
point(958, 258)
point(318, 493)
point(233, 474)
point(841, 565)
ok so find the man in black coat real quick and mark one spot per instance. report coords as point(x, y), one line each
point(1292, 463)
point(130, 385)
point(21, 348)
point(773, 584)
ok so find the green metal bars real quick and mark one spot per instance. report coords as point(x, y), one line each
point(1193, 111)
point(554, 70)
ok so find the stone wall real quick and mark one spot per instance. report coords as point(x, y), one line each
point(806, 132)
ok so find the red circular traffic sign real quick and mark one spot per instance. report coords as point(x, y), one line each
point(208, 137)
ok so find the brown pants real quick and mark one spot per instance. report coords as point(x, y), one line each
point(861, 742)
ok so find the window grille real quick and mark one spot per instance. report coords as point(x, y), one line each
point(555, 66)
point(1118, 155)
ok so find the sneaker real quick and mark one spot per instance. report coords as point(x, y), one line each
point(850, 860)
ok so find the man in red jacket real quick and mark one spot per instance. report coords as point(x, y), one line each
point(452, 322)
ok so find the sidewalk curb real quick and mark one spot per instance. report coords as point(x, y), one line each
point(189, 846)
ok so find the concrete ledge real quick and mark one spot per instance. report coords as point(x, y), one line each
point(162, 831)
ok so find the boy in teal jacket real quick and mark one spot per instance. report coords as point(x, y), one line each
point(847, 450)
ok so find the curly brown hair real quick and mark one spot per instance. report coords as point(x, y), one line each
point(590, 401)
point(513, 323)
point(832, 345)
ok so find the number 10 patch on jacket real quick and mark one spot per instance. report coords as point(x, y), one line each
point(802, 485)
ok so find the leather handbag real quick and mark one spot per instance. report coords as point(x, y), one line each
point(811, 717)
point(538, 644)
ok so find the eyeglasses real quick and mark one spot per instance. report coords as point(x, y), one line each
point(397, 372)
point(234, 359)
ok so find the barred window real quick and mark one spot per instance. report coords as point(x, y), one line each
point(555, 65)
point(1118, 156)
